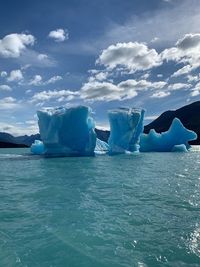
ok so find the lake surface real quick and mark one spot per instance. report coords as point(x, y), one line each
point(128, 210)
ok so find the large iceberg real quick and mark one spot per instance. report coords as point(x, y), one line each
point(175, 139)
point(67, 131)
point(126, 126)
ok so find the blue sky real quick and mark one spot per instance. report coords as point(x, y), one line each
point(104, 54)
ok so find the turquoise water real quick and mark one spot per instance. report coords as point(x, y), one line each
point(141, 210)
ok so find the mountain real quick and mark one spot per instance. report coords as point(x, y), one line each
point(19, 140)
point(25, 140)
point(6, 138)
point(103, 135)
point(10, 145)
point(189, 116)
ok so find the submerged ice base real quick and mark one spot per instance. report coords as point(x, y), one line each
point(126, 126)
point(101, 147)
point(67, 131)
point(175, 139)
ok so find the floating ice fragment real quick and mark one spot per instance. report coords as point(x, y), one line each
point(167, 141)
point(179, 148)
point(37, 147)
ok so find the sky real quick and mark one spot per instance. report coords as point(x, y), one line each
point(100, 53)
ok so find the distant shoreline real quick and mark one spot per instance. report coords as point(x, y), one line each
point(12, 145)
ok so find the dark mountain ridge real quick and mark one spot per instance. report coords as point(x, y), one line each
point(11, 145)
point(19, 140)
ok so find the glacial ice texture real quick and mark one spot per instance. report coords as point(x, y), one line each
point(179, 148)
point(37, 147)
point(176, 138)
point(101, 147)
point(126, 126)
point(67, 131)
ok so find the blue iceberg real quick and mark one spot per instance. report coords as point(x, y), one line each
point(175, 139)
point(101, 147)
point(67, 131)
point(179, 148)
point(37, 147)
point(126, 126)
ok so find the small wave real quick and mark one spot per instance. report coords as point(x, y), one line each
point(10, 156)
point(181, 175)
point(18, 156)
point(195, 149)
point(194, 241)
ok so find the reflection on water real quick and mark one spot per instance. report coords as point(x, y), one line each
point(194, 241)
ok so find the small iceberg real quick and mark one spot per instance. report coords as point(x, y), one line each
point(175, 139)
point(37, 147)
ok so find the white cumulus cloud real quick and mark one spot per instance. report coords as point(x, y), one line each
point(59, 95)
point(196, 90)
point(38, 81)
point(184, 70)
point(107, 91)
point(15, 75)
point(53, 79)
point(8, 103)
point(42, 57)
point(59, 35)
point(99, 91)
point(131, 56)
point(141, 84)
point(13, 44)
point(18, 128)
point(3, 74)
point(160, 94)
point(193, 78)
point(5, 87)
point(178, 86)
point(186, 50)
